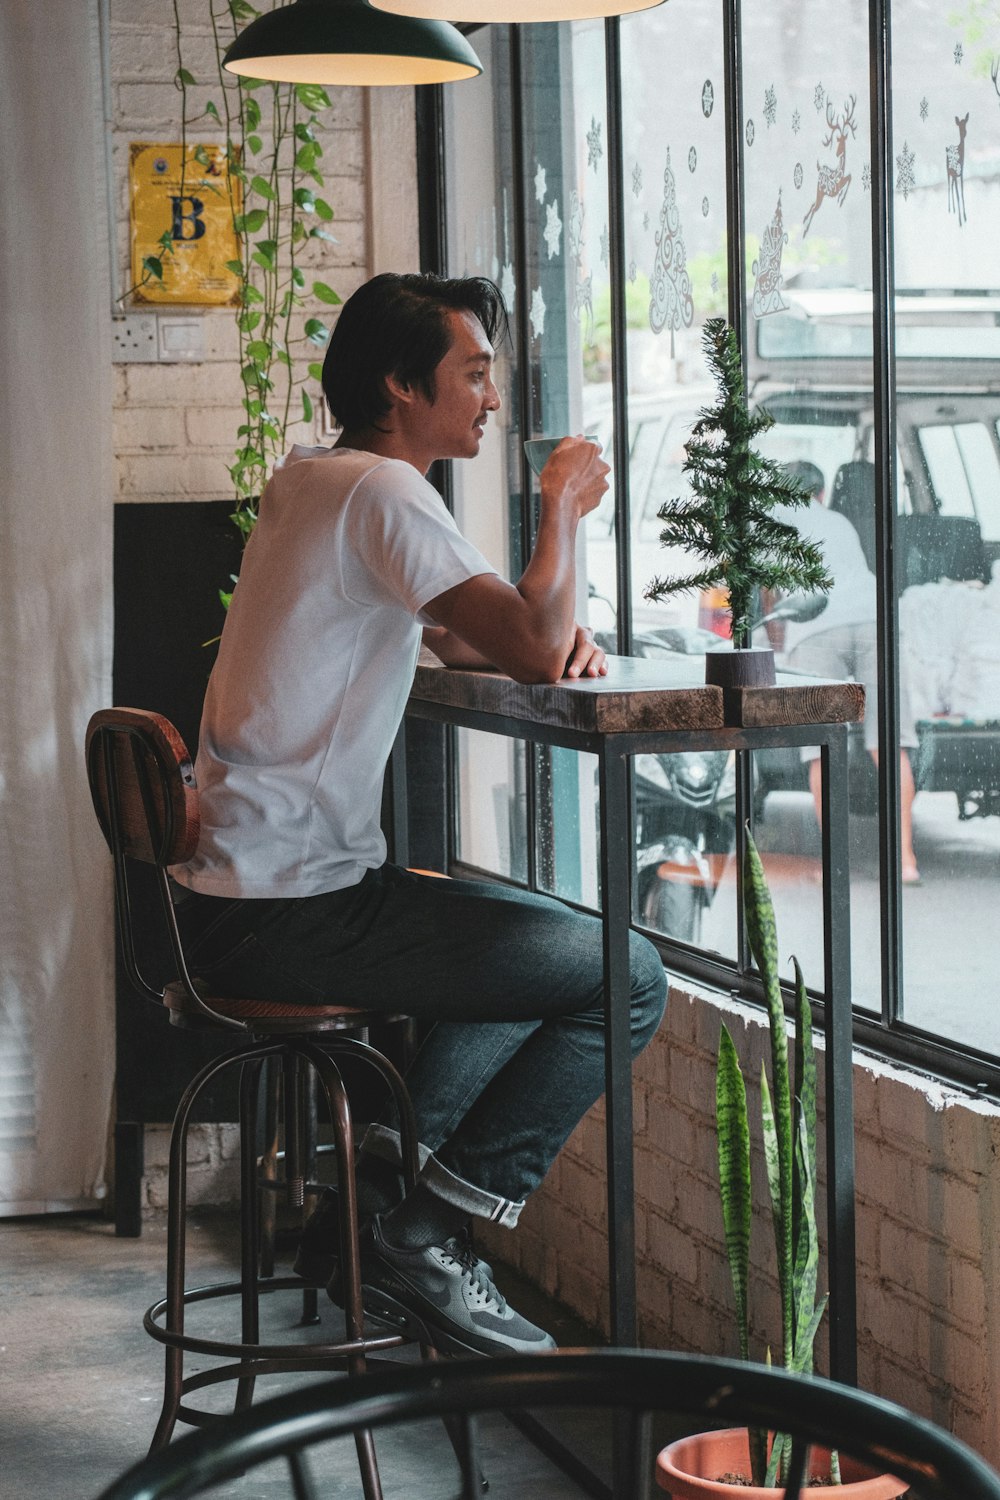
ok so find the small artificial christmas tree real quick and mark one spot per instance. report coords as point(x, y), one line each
point(727, 521)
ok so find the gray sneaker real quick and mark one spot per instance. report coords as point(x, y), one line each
point(442, 1295)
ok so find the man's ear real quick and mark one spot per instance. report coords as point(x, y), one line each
point(398, 392)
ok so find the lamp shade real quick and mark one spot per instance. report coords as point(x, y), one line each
point(347, 42)
point(514, 10)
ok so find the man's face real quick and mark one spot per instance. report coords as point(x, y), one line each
point(452, 424)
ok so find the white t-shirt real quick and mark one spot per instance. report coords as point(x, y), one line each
point(852, 600)
point(314, 668)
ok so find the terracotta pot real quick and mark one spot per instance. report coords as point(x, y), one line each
point(689, 1470)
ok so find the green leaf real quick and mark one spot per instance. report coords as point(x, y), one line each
point(298, 277)
point(283, 357)
point(304, 131)
point(320, 234)
point(251, 111)
point(184, 79)
point(263, 188)
point(251, 221)
point(323, 209)
point(210, 109)
point(312, 96)
point(254, 143)
point(316, 331)
point(307, 407)
point(763, 937)
point(236, 266)
point(315, 371)
point(242, 10)
point(734, 1176)
point(201, 156)
point(325, 293)
point(264, 254)
point(298, 231)
point(251, 294)
point(226, 600)
point(154, 266)
point(305, 199)
point(248, 321)
point(307, 156)
point(259, 350)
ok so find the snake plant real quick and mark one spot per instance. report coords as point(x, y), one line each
point(788, 1120)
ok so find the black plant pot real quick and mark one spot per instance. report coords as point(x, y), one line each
point(752, 666)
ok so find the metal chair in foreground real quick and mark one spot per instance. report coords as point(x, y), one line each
point(705, 1392)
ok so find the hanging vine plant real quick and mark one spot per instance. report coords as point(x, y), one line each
point(273, 183)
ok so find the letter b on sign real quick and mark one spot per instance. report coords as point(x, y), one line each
point(181, 219)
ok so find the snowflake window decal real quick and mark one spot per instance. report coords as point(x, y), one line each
point(958, 54)
point(924, 108)
point(707, 98)
point(798, 174)
point(866, 177)
point(906, 181)
point(692, 159)
point(536, 313)
point(770, 106)
point(594, 148)
point(750, 132)
point(508, 287)
point(553, 228)
point(704, 208)
point(645, 221)
point(637, 179)
point(605, 246)
point(796, 123)
point(819, 97)
point(540, 186)
point(632, 270)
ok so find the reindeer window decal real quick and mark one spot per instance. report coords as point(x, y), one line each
point(833, 181)
point(955, 167)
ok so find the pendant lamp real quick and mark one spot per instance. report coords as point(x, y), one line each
point(347, 42)
point(514, 10)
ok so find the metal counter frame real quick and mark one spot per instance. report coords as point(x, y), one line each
point(613, 749)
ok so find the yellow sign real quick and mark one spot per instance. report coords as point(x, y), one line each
point(198, 216)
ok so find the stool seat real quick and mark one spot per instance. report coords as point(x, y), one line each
point(269, 1017)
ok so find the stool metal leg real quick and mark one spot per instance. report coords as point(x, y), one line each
point(268, 1167)
point(249, 1220)
point(347, 1192)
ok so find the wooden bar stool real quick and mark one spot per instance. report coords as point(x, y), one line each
point(146, 799)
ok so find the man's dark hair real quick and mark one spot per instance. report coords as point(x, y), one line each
point(398, 325)
point(809, 475)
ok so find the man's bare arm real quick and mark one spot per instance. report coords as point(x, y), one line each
point(528, 629)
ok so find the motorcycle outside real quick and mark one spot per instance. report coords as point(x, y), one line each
point(685, 803)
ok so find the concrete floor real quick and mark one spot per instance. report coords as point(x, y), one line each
point(80, 1381)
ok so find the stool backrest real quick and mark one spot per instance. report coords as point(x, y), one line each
point(143, 785)
point(145, 795)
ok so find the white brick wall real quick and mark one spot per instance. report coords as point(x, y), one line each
point(175, 424)
point(928, 1202)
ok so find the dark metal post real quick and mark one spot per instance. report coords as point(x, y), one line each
point(128, 1178)
point(838, 1026)
point(884, 405)
point(619, 349)
point(616, 860)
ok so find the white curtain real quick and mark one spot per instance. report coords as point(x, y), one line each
point(56, 940)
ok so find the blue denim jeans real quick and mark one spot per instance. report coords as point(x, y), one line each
point(513, 982)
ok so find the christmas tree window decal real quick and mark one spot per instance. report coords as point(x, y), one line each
point(726, 523)
point(671, 304)
point(766, 268)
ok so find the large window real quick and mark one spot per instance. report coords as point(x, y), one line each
point(622, 184)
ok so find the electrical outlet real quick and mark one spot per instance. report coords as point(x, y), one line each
point(134, 339)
